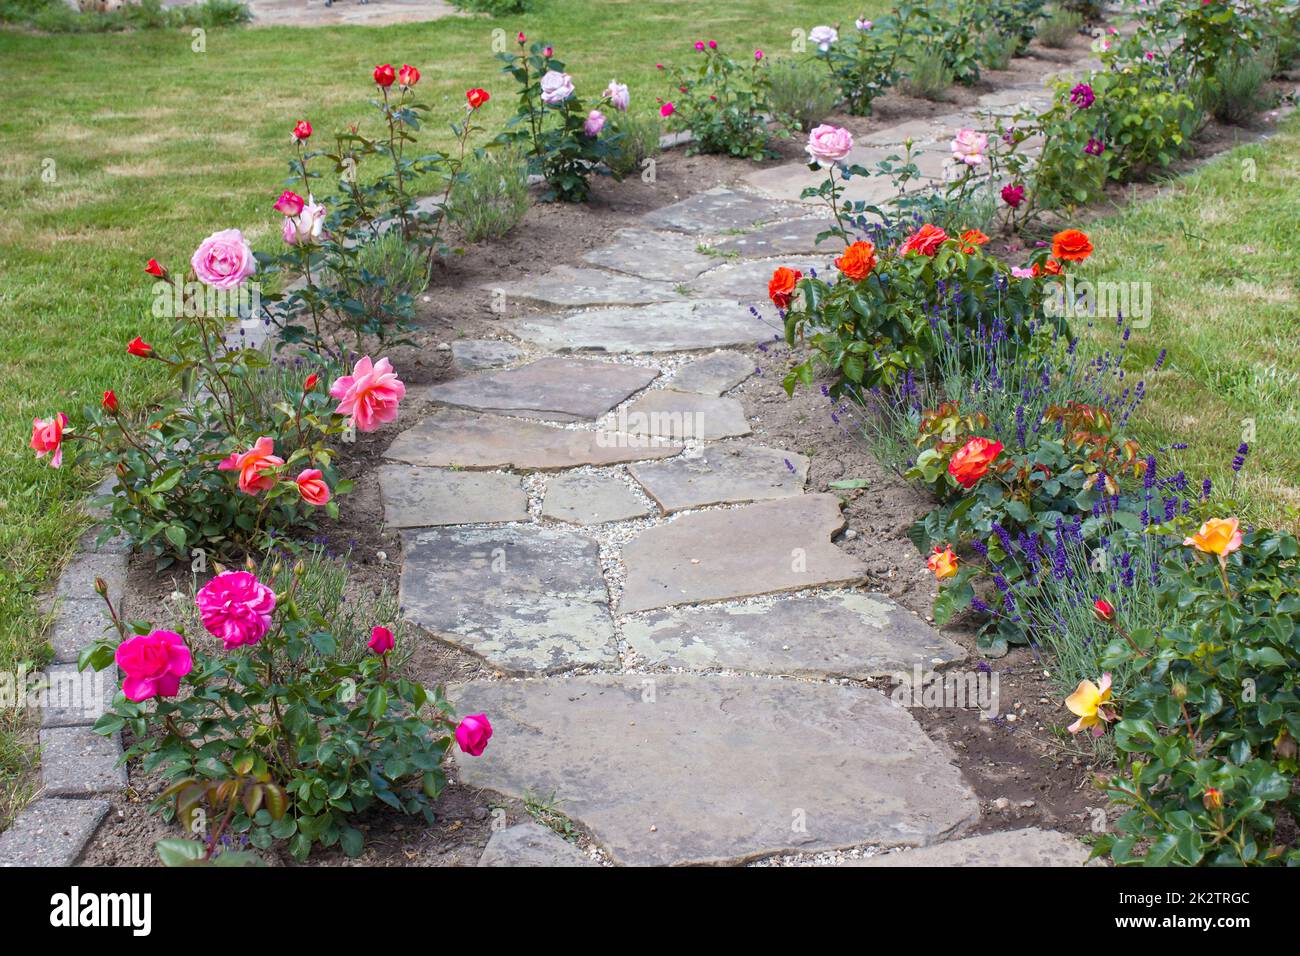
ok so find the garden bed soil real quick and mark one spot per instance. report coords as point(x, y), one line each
point(1026, 771)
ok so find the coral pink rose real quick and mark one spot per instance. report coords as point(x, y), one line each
point(47, 437)
point(925, 240)
point(236, 607)
point(224, 260)
point(370, 394)
point(381, 640)
point(313, 489)
point(154, 664)
point(408, 75)
point(473, 734)
point(256, 466)
point(828, 144)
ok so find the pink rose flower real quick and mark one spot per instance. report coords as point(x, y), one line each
point(47, 436)
point(370, 394)
point(823, 36)
point(312, 487)
point(224, 260)
point(308, 225)
point(236, 607)
point(556, 87)
point(289, 203)
point(381, 640)
point(969, 146)
point(1022, 272)
point(594, 124)
point(154, 664)
point(618, 96)
point(667, 109)
point(473, 733)
point(828, 144)
point(256, 466)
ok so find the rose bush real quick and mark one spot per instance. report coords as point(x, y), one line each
point(724, 104)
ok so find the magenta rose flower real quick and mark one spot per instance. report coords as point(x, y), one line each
point(154, 664)
point(829, 144)
point(1095, 147)
point(473, 734)
point(370, 395)
point(594, 124)
point(381, 640)
point(1013, 196)
point(224, 260)
point(1082, 96)
point(236, 607)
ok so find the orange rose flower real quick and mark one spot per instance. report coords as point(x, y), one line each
point(925, 240)
point(972, 238)
point(972, 460)
point(858, 261)
point(1071, 245)
point(942, 562)
point(781, 288)
point(1219, 536)
point(1049, 268)
point(256, 466)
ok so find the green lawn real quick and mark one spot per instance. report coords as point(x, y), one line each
point(1221, 255)
point(153, 146)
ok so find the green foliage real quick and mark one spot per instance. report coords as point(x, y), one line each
point(496, 8)
point(1015, 22)
point(553, 135)
point(639, 141)
point(306, 735)
point(724, 104)
point(1210, 730)
point(1236, 94)
point(1060, 27)
point(998, 51)
point(492, 199)
point(928, 74)
point(55, 16)
point(866, 63)
point(801, 95)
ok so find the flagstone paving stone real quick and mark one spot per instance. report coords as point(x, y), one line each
point(670, 414)
point(713, 374)
point(591, 499)
point(51, 832)
point(473, 354)
point(789, 180)
point(682, 769)
point(728, 472)
point(1028, 847)
point(763, 548)
point(526, 599)
point(553, 388)
point(454, 438)
point(747, 280)
point(651, 255)
point(531, 844)
point(426, 497)
point(778, 239)
point(661, 327)
point(718, 210)
point(836, 634)
point(577, 286)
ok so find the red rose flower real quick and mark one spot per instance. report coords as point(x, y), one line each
point(301, 130)
point(139, 347)
point(782, 285)
point(385, 75)
point(154, 269)
point(477, 97)
point(110, 402)
point(408, 75)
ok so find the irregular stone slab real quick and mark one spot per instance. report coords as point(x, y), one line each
point(427, 497)
point(474, 354)
point(840, 634)
point(681, 768)
point(73, 698)
point(531, 844)
point(713, 374)
point(717, 210)
point(76, 762)
point(525, 599)
point(651, 255)
point(452, 438)
point(574, 286)
point(670, 414)
point(726, 473)
point(789, 180)
point(747, 280)
point(51, 832)
point(780, 239)
point(1028, 847)
point(762, 548)
point(591, 499)
point(662, 327)
point(557, 389)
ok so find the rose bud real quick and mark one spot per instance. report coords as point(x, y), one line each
point(310, 384)
point(1213, 799)
point(1103, 611)
point(301, 130)
point(154, 269)
point(139, 347)
point(385, 75)
point(110, 402)
point(477, 97)
point(408, 76)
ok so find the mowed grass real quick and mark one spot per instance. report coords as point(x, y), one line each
point(1221, 254)
point(118, 148)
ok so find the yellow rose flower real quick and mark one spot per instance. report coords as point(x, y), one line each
point(1091, 704)
point(1219, 536)
point(942, 562)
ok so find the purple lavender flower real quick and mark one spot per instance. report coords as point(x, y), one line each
point(1240, 459)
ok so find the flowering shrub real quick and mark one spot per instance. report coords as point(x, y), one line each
point(1209, 730)
point(565, 141)
point(723, 103)
point(867, 61)
point(284, 733)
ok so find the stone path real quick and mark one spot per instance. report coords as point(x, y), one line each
point(694, 647)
